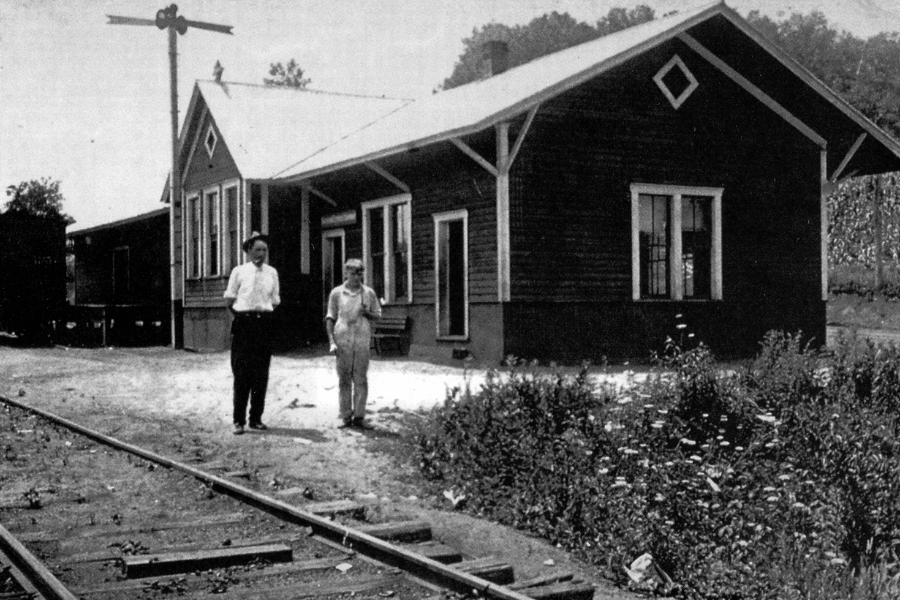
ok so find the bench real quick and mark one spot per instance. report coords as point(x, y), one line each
point(394, 329)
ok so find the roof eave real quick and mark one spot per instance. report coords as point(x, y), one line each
point(522, 106)
point(811, 80)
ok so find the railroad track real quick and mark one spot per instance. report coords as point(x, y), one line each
point(145, 526)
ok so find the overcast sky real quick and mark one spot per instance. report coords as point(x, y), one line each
point(87, 103)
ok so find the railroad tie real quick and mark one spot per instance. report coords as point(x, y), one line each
point(399, 531)
point(489, 569)
point(152, 565)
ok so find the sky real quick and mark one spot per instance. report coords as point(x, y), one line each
point(87, 103)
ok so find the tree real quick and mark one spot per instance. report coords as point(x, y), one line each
point(290, 75)
point(861, 71)
point(544, 35)
point(37, 198)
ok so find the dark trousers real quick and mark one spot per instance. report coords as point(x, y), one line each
point(251, 354)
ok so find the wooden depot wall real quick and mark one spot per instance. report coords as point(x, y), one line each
point(571, 220)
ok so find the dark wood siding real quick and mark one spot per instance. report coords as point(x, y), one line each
point(147, 243)
point(570, 211)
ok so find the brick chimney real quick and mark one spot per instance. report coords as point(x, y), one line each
point(494, 57)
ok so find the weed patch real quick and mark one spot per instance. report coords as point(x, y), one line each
point(777, 481)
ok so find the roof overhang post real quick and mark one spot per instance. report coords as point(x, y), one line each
point(264, 208)
point(823, 220)
point(503, 245)
point(304, 230)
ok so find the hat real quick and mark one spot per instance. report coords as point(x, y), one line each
point(248, 243)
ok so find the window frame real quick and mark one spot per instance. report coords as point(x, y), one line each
point(212, 213)
point(675, 193)
point(389, 269)
point(226, 226)
point(461, 214)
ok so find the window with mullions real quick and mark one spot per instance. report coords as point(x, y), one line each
point(676, 242)
point(231, 225)
point(193, 237)
point(386, 247)
point(213, 217)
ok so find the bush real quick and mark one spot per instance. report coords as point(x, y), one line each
point(724, 479)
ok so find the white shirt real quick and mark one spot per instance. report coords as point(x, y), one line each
point(254, 288)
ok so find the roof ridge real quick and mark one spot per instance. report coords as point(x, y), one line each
point(287, 88)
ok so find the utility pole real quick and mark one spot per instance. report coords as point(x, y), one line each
point(169, 19)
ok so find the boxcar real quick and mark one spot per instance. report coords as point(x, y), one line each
point(32, 276)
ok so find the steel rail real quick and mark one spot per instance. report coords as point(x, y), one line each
point(420, 566)
point(34, 571)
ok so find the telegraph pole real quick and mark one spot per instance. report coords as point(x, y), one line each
point(169, 19)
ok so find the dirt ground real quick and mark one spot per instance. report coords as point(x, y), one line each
point(179, 404)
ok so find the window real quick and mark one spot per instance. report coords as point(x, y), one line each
point(231, 227)
point(192, 237)
point(676, 242)
point(213, 215)
point(387, 226)
point(451, 268)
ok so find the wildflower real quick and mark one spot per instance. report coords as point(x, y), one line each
point(602, 471)
point(688, 442)
point(680, 326)
point(738, 448)
point(713, 486)
point(784, 477)
point(724, 443)
point(766, 418)
point(657, 424)
point(770, 489)
point(624, 400)
point(629, 451)
point(772, 499)
point(663, 411)
point(695, 458)
point(798, 505)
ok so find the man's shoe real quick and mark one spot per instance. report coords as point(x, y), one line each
point(258, 426)
point(238, 429)
point(360, 423)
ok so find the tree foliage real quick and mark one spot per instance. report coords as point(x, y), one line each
point(863, 72)
point(40, 198)
point(290, 75)
point(546, 34)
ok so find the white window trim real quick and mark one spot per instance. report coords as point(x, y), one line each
point(210, 149)
point(217, 214)
point(389, 255)
point(676, 192)
point(193, 254)
point(439, 218)
point(225, 227)
point(328, 235)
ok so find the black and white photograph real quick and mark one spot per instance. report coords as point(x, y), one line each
point(450, 299)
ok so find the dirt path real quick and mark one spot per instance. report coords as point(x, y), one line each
point(178, 403)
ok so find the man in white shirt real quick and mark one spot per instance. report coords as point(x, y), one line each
point(252, 295)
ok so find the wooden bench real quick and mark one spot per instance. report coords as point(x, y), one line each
point(394, 329)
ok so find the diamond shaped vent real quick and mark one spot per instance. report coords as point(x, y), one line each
point(211, 140)
point(676, 81)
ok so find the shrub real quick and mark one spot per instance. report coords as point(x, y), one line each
point(724, 479)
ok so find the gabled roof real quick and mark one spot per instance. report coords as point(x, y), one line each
point(128, 220)
point(267, 128)
point(294, 136)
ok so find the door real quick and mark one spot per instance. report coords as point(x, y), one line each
point(451, 275)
